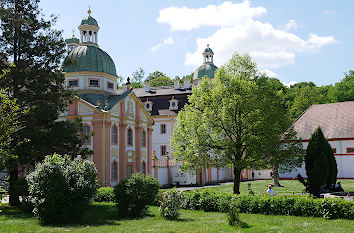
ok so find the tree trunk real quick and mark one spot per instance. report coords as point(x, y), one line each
point(275, 177)
point(237, 180)
point(13, 197)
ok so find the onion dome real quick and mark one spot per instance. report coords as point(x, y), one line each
point(89, 58)
point(208, 68)
point(89, 20)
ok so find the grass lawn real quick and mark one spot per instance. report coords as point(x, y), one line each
point(290, 186)
point(103, 218)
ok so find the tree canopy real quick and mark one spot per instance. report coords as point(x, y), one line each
point(231, 120)
point(35, 80)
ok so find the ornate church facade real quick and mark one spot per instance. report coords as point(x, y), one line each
point(122, 138)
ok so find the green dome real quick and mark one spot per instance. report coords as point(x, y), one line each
point(90, 21)
point(89, 58)
point(207, 69)
point(72, 40)
point(208, 50)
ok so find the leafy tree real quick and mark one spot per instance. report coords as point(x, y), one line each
point(231, 120)
point(188, 76)
point(138, 75)
point(320, 164)
point(154, 75)
point(286, 154)
point(343, 90)
point(10, 113)
point(302, 95)
point(36, 81)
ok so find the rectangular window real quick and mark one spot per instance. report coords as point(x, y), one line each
point(163, 128)
point(114, 135)
point(110, 85)
point(334, 150)
point(130, 137)
point(94, 83)
point(73, 83)
point(114, 171)
point(163, 150)
point(86, 133)
point(350, 150)
point(143, 138)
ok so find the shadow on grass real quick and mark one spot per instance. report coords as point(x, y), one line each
point(16, 212)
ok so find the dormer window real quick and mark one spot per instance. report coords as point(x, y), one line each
point(94, 83)
point(173, 104)
point(148, 105)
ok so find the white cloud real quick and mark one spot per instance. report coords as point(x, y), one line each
point(270, 47)
point(328, 12)
point(290, 83)
point(166, 41)
point(291, 24)
point(239, 31)
point(226, 14)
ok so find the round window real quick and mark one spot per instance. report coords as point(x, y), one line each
point(147, 106)
point(173, 104)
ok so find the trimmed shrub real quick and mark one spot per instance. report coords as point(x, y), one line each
point(171, 201)
point(61, 188)
point(133, 195)
point(104, 194)
point(306, 206)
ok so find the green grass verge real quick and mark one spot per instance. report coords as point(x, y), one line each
point(103, 218)
point(290, 186)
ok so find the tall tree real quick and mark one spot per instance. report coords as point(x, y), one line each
point(36, 50)
point(343, 90)
point(230, 117)
point(10, 114)
point(157, 79)
point(320, 164)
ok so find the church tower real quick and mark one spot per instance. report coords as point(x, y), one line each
point(208, 68)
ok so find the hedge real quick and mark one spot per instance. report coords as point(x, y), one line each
point(209, 200)
point(104, 194)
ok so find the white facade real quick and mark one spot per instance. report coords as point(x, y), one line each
point(345, 160)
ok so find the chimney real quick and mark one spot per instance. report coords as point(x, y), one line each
point(187, 83)
point(147, 87)
point(176, 84)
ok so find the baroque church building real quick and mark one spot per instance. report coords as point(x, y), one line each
point(122, 138)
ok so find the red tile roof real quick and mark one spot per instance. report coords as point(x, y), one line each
point(335, 119)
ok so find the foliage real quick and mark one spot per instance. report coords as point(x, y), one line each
point(275, 205)
point(320, 164)
point(172, 200)
point(104, 194)
point(157, 79)
point(21, 186)
point(343, 90)
point(10, 113)
point(138, 75)
point(233, 213)
point(36, 81)
point(133, 195)
point(61, 188)
point(234, 116)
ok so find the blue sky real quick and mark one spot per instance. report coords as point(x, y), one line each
point(292, 40)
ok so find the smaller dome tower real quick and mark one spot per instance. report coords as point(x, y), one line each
point(208, 68)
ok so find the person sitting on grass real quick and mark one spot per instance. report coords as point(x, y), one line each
point(270, 191)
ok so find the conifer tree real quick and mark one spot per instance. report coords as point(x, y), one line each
point(320, 164)
point(35, 79)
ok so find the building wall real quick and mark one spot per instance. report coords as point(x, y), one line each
point(345, 161)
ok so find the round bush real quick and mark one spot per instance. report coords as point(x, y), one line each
point(61, 188)
point(133, 195)
point(104, 194)
point(171, 201)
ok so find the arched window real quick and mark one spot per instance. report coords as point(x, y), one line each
point(114, 135)
point(130, 137)
point(86, 134)
point(143, 138)
point(114, 170)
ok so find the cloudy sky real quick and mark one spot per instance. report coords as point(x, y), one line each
point(292, 40)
